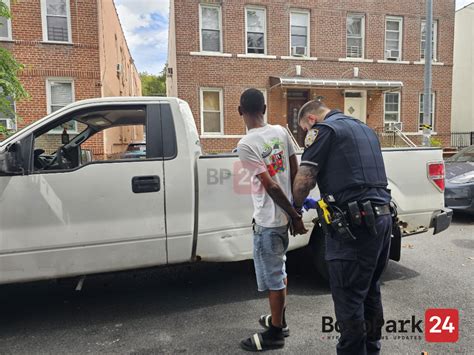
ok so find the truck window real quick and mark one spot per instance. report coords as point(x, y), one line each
point(105, 134)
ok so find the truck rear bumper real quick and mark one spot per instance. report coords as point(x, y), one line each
point(441, 220)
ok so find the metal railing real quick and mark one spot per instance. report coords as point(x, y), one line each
point(457, 140)
point(394, 138)
point(293, 139)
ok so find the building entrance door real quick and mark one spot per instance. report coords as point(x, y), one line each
point(296, 99)
point(355, 104)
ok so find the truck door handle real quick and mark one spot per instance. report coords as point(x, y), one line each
point(142, 184)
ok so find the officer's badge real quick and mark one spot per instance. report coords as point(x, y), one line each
point(311, 137)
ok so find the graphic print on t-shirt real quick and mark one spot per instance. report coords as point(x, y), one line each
point(273, 155)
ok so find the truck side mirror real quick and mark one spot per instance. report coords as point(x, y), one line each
point(11, 159)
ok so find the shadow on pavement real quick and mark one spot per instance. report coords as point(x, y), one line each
point(141, 293)
point(463, 218)
point(396, 271)
point(464, 243)
point(158, 291)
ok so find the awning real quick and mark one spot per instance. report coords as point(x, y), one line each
point(334, 83)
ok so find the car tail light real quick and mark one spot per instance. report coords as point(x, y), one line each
point(436, 175)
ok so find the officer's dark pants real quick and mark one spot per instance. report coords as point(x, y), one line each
point(354, 269)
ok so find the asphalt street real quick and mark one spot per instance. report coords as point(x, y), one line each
point(209, 308)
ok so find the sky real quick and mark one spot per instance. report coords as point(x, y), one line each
point(145, 23)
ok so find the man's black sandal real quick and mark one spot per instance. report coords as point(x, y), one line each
point(266, 320)
point(263, 341)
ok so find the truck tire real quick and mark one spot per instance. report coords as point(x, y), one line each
point(318, 250)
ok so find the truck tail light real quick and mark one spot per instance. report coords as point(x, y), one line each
point(436, 175)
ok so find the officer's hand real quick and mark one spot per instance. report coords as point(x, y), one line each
point(298, 226)
point(309, 203)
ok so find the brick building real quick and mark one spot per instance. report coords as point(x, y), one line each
point(72, 50)
point(364, 57)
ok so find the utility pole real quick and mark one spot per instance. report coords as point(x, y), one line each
point(428, 73)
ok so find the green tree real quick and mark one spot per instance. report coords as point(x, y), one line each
point(10, 86)
point(153, 85)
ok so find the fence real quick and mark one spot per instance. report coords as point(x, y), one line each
point(462, 139)
point(456, 140)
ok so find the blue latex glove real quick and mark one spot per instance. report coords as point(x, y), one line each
point(309, 203)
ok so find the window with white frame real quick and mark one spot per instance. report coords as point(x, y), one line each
point(212, 118)
point(299, 23)
point(432, 114)
point(7, 116)
point(434, 39)
point(355, 36)
point(6, 25)
point(393, 38)
point(392, 107)
point(255, 20)
point(60, 93)
point(211, 35)
point(56, 16)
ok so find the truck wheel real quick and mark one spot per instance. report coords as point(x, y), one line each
point(318, 250)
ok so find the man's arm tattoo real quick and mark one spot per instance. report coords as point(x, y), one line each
point(305, 181)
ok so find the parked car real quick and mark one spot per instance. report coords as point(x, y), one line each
point(69, 218)
point(459, 193)
point(135, 151)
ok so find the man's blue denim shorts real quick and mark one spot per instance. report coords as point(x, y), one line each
point(269, 255)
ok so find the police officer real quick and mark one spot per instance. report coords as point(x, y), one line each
point(343, 156)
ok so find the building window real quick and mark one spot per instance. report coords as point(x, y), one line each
point(299, 23)
point(212, 118)
point(392, 107)
point(7, 117)
point(355, 36)
point(432, 115)
point(60, 93)
point(393, 38)
point(255, 20)
point(211, 39)
point(434, 39)
point(5, 25)
point(56, 20)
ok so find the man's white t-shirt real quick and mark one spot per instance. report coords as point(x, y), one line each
point(269, 149)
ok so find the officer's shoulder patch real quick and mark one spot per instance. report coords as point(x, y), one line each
point(311, 137)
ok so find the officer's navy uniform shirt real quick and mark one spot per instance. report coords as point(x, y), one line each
point(325, 147)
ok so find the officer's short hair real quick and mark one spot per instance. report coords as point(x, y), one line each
point(314, 106)
point(252, 101)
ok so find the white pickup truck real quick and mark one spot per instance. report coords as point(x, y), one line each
point(64, 213)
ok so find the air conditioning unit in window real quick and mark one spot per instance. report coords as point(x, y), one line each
point(298, 51)
point(119, 68)
point(392, 54)
point(7, 123)
point(393, 126)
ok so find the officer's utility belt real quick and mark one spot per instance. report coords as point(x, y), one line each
point(338, 219)
point(364, 213)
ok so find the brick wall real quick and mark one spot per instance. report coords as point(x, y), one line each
point(327, 43)
point(90, 63)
